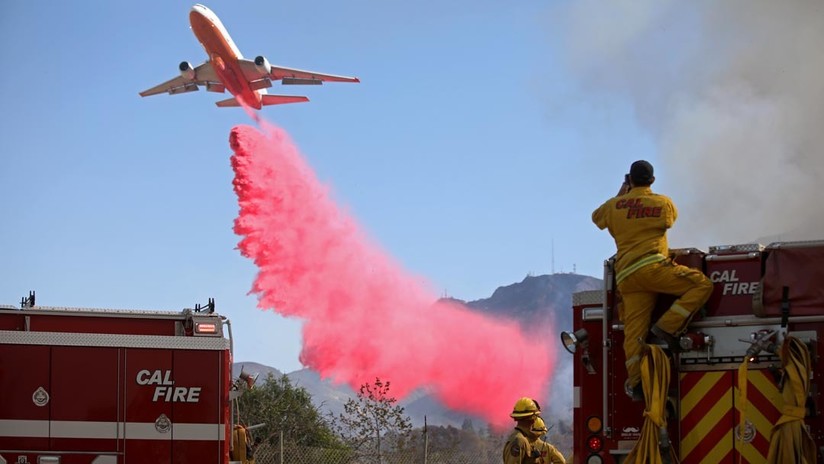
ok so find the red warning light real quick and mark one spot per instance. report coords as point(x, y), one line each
point(594, 443)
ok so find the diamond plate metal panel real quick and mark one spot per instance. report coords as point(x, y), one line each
point(740, 248)
point(113, 340)
point(588, 297)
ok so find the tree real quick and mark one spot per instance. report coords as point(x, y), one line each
point(373, 421)
point(288, 409)
point(449, 444)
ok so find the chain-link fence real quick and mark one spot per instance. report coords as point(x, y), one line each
point(434, 445)
point(266, 454)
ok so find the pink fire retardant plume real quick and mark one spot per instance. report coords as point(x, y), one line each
point(364, 316)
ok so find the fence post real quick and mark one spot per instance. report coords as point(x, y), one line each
point(281, 446)
point(425, 442)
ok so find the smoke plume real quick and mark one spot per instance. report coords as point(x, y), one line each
point(364, 317)
point(732, 95)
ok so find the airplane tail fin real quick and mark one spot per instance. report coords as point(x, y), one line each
point(267, 99)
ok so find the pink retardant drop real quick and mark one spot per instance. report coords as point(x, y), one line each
point(364, 316)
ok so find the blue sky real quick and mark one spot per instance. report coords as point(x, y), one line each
point(466, 151)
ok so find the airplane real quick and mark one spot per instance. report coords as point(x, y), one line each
point(226, 69)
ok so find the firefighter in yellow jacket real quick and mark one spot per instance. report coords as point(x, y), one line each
point(543, 452)
point(638, 221)
point(517, 449)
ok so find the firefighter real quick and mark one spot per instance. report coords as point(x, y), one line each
point(517, 449)
point(638, 221)
point(242, 445)
point(543, 452)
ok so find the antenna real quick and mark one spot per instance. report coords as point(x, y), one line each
point(553, 255)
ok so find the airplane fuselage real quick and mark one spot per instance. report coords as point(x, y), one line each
point(223, 54)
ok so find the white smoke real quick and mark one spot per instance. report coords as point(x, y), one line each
point(732, 94)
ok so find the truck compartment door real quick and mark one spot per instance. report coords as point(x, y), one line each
point(198, 430)
point(710, 416)
point(148, 414)
point(85, 409)
point(24, 401)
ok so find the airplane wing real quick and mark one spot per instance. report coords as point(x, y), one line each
point(289, 76)
point(204, 76)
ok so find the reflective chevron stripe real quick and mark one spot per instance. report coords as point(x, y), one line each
point(763, 398)
point(706, 417)
point(709, 413)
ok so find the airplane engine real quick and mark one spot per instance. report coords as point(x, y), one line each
point(187, 71)
point(263, 64)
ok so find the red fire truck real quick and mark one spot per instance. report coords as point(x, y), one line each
point(761, 295)
point(82, 386)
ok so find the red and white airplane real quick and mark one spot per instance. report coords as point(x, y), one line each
point(226, 69)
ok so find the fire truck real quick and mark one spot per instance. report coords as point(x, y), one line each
point(103, 386)
point(761, 296)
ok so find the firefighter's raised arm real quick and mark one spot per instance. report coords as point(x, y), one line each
point(625, 187)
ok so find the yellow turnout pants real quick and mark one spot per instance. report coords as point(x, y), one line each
point(639, 291)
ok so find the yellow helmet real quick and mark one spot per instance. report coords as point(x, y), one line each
point(538, 427)
point(525, 407)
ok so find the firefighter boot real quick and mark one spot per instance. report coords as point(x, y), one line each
point(673, 342)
